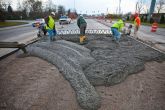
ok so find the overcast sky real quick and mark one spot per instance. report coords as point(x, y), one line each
point(93, 6)
point(99, 6)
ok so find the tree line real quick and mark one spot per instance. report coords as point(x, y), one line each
point(32, 9)
point(142, 7)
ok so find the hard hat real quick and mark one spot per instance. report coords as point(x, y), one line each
point(52, 13)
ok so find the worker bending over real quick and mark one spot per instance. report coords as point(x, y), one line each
point(116, 28)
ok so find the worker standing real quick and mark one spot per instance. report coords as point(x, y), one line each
point(82, 25)
point(137, 23)
point(50, 26)
point(116, 28)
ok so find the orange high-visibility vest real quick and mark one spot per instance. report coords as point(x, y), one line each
point(137, 21)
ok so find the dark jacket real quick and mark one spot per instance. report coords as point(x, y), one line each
point(80, 21)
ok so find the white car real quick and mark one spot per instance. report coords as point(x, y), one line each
point(64, 20)
point(40, 25)
point(38, 22)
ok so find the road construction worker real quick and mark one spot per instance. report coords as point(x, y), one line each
point(50, 26)
point(137, 23)
point(82, 25)
point(116, 28)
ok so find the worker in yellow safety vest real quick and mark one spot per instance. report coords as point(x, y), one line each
point(116, 28)
point(50, 26)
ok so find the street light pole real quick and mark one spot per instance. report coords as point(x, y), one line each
point(119, 6)
point(74, 6)
point(152, 7)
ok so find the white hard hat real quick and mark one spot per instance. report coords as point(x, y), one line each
point(52, 13)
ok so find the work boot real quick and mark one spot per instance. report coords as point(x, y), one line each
point(49, 39)
point(81, 39)
point(117, 42)
point(53, 39)
point(84, 38)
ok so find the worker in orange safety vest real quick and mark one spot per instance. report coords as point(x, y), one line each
point(137, 23)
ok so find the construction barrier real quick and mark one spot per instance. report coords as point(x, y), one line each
point(154, 27)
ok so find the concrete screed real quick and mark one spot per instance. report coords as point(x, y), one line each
point(98, 62)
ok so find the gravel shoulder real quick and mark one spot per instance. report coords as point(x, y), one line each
point(33, 84)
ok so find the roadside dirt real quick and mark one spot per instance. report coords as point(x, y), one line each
point(33, 84)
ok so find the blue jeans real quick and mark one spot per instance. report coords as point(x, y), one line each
point(115, 33)
point(52, 33)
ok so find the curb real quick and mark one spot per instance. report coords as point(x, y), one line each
point(153, 46)
point(8, 54)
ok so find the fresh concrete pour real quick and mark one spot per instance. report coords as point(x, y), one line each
point(99, 62)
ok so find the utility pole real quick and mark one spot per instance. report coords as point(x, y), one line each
point(152, 7)
point(107, 10)
point(74, 6)
point(116, 10)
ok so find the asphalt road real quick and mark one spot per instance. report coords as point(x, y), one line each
point(19, 34)
point(91, 24)
point(25, 33)
point(22, 34)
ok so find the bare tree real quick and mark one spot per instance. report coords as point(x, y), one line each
point(68, 12)
point(160, 5)
point(61, 10)
point(139, 6)
point(146, 8)
point(37, 6)
point(4, 4)
point(19, 5)
point(10, 9)
point(2, 11)
point(50, 6)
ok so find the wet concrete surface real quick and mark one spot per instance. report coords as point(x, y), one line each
point(113, 62)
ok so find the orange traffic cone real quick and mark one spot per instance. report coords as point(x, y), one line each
point(154, 27)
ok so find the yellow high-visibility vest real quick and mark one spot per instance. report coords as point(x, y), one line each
point(119, 24)
point(51, 23)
